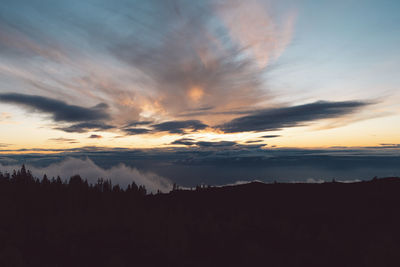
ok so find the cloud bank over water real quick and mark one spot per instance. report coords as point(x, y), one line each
point(191, 163)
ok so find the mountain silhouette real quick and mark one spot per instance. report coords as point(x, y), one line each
point(51, 222)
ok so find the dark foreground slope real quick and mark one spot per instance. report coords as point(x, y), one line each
point(331, 224)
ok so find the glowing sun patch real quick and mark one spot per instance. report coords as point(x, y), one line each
point(195, 93)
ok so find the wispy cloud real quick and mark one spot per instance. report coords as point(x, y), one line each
point(156, 61)
point(64, 140)
point(209, 54)
point(5, 118)
point(152, 64)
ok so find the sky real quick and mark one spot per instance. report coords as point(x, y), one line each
point(256, 76)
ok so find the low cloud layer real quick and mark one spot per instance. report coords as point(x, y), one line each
point(87, 169)
point(204, 144)
point(218, 145)
point(191, 165)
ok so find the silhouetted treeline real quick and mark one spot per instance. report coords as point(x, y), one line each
point(50, 222)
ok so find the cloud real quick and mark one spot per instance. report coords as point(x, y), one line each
point(135, 131)
point(216, 144)
point(253, 141)
point(5, 116)
point(174, 127)
point(385, 146)
point(184, 141)
point(138, 123)
point(87, 169)
point(86, 127)
point(84, 149)
point(157, 61)
point(278, 118)
point(264, 39)
point(64, 140)
point(202, 57)
point(192, 142)
point(131, 128)
point(270, 136)
point(17, 44)
point(179, 127)
point(95, 136)
point(59, 110)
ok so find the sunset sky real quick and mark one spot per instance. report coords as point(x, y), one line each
point(192, 74)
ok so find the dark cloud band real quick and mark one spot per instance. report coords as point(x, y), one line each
point(179, 127)
point(192, 142)
point(86, 127)
point(59, 110)
point(278, 118)
point(135, 131)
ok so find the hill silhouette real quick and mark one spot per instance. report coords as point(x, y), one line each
point(50, 222)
